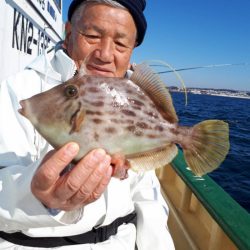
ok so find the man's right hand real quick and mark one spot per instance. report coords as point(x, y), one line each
point(82, 185)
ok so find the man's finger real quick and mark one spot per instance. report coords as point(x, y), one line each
point(73, 181)
point(95, 185)
point(48, 173)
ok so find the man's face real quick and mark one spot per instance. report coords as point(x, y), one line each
point(103, 38)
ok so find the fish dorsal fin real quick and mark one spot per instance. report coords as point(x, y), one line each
point(154, 87)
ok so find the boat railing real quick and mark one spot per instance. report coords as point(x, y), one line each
point(202, 214)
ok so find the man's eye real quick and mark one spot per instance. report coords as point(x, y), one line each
point(92, 36)
point(88, 35)
point(121, 44)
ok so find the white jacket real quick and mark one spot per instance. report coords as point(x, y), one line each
point(21, 149)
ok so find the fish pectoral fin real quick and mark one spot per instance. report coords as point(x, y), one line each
point(152, 159)
point(208, 146)
point(120, 166)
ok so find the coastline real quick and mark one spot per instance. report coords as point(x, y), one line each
point(213, 92)
point(231, 96)
point(223, 95)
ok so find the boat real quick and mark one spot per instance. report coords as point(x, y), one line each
point(28, 28)
point(202, 215)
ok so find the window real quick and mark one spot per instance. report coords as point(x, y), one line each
point(58, 4)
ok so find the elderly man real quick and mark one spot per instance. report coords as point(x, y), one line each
point(84, 208)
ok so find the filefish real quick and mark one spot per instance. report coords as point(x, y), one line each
point(131, 118)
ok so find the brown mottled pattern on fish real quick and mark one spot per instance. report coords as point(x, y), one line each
point(132, 118)
point(118, 109)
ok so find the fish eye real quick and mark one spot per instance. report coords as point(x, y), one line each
point(71, 91)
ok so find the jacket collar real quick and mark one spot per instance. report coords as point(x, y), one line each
point(55, 64)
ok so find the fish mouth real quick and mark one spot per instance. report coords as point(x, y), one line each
point(22, 109)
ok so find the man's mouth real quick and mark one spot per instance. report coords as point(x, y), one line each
point(97, 70)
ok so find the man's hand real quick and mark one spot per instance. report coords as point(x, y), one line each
point(82, 185)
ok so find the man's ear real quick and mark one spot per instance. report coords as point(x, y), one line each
point(68, 30)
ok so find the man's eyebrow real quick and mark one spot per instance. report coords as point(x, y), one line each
point(121, 35)
point(101, 31)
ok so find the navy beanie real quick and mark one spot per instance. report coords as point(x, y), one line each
point(135, 7)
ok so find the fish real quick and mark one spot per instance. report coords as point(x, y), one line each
point(131, 119)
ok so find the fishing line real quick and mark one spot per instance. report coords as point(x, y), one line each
point(178, 76)
point(198, 67)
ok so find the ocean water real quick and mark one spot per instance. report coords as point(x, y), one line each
point(234, 173)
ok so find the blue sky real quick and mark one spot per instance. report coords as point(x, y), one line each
point(190, 33)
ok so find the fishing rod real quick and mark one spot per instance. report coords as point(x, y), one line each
point(198, 67)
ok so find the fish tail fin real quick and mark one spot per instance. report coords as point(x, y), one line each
point(207, 146)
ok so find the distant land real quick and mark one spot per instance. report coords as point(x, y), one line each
point(211, 91)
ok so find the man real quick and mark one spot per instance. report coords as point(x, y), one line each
point(81, 208)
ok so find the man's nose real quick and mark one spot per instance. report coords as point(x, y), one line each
point(105, 51)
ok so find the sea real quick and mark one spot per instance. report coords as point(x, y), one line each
point(234, 173)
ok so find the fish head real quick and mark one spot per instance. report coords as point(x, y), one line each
point(56, 113)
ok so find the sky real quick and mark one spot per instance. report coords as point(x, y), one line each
point(193, 33)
